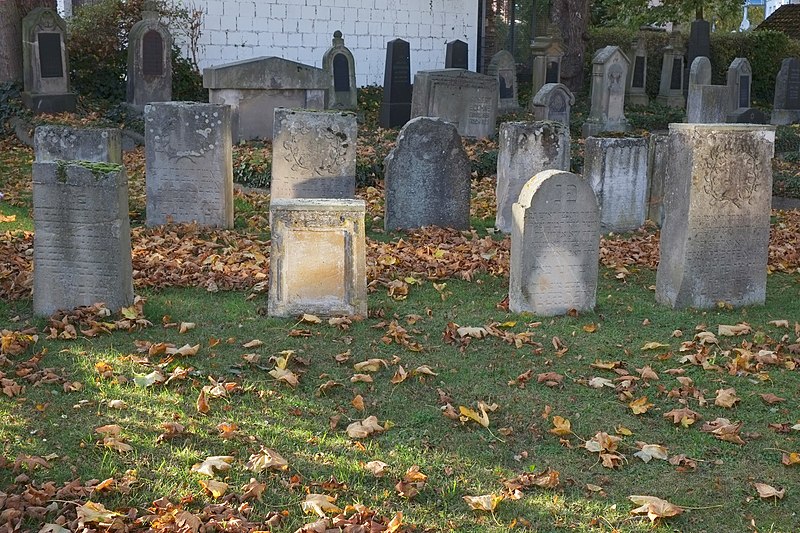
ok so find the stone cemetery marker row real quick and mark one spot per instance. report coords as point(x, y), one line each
point(45, 63)
point(554, 246)
point(339, 62)
point(396, 105)
point(149, 62)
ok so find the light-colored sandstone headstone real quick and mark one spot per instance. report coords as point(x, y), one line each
point(82, 238)
point(616, 169)
point(715, 239)
point(740, 79)
point(427, 177)
point(547, 51)
point(554, 246)
point(46, 63)
point(504, 67)
point(525, 149)
point(189, 167)
point(314, 154)
point(340, 63)
point(637, 77)
point(706, 103)
point(786, 107)
point(657, 161)
point(609, 74)
point(318, 257)
point(64, 143)
point(670, 89)
point(467, 99)
point(149, 62)
point(553, 102)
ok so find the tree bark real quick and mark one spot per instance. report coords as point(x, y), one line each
point(571, 17)
point(11, 15)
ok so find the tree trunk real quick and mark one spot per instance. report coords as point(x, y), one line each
point(11, 14)
point(571, 17)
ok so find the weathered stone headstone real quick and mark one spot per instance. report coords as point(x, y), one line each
point(609, 72)
point(317, 257)
point(637, 78)
point(82, 237)
point(255, 87)
point(715, 238)
point(553, 102)
point(525, 149)
point(457, 55)
point(189, 170)
point(314, 154)
point(786, 108)
point(467, 99)
point(554, 246)
point(427, 177)
point(657, 161)
point(45, 63)
point(503, 66)
point(63, 143)
point(149, 62)
point(341, 65)
point(699, 44)
point(616, 169)
point(670, 90)
point(706, 103)
point(740, 77)
point(396, 105)
point(546, 52)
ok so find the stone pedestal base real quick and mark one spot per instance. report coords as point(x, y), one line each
point(592, 127)
point(394, 115)
point(676, 100)
point(50, 103)
point(637, 99)
point(783, 117)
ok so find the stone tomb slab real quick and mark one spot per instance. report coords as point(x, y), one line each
point(715, 239)
point(189, 164)
point(63, 143)
point(554, 246)
point(332, 233)
point(314, 154)
point(82, 238)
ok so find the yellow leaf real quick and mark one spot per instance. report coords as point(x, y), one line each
point(652, 451)
point(213, 487)
point(266, 459)
point(395, 523)
point(370, 365)
point(399, 376)
point(654, 507)
point(377, 468)
point(561, 426)
point(791, 458)
point(640, 406)
point(590, 328)
point(469, 414)
point(726, 398)
point(310, 319)
point(654, 346)
point(210, 464)
point(319, 504)
point(487, 502)
point(95, 512)
point(730, 331)
point(287, 376)
point(186, 326)
point(622, 430)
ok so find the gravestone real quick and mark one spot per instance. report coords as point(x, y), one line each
point(637, 78)
point(546, 55)
point(331, 231)
point(554, 246)
point(396, 104)
point(706, 103)
point(341, 65)
point(616, 169)
point(670, 89)
point(699, 44)
point(255, 87)
point(740, 78)
point(467, 99)
point(657, 161)
point(786, 108)
point(457, 55)
point(149, 62)
point(63, 143)
point(504, 68)
point(45, 63)
point(525, 149)
point(189, 170)
point(427, 177)
point(314, 154)
point(82, 236)
point(609, 72)
point(715, 238)
point(553, 102)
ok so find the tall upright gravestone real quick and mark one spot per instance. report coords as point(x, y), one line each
point(699, 45)
point(504, 68)
point(554, 246)
point(45, 63)
point(457, 55)
point(706, 103)
point(396, 105)
point(149, 62)
point(715, 239)
point(340, 63)
point(740, 79)
point(553, 102)
point(609, 72)
point(637, 78)
point(786, 108)
point(670, 89)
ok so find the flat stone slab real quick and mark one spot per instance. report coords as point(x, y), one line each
point(63, 143)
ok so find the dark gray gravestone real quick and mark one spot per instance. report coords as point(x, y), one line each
point(553, 72)
point(677, 71)
point(699, 46)
point(152, 54)
point(341, 73)
point(396, 105)
point(457, 55)
point(786, 106)
point(50, 55)
point(638, 72)
point(427, 177)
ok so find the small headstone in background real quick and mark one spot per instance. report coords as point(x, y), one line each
point(616, 169)
point(189, 168)
point(553, 102)
point(457, 55)
point(715, 239)
point(64, 143)
point(396, 105)
point(547, 51)
point(503, 66)
point(318, 257)
point(657, 161)
point(314, 154)
point(609, 74)
point(637, 77)
point(82, 237)
point(706, 103)
point(149, 62)
point(554, 246)
point(525, 149)
point(699, 44)
point(740, 78)
point(467, 99)
point(427, 177)
point(45, 63)
point(670, 89)
point(339, 62)
point(786, 107)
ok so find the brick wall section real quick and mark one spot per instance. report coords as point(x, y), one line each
point(301, 30)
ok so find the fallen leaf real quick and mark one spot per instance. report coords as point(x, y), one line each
point(771, 398)
point(377, 468)
point(310, 319)
point(287, 376)
point(730, 331)
point(726, 398)
point(370, 365)
point(561, 427)
point(655, 508)
point(215, 462)
point(767, 491)
point(399, 376)
point(364, 428)
point(487, 502)
point(640, 406)
point(358, 402)
point(654, 346)
point(266, 459)
point(652, 451)
point(683, 416)
point(95, 512)
point(186, 326)
point(470, 414)
point(213, 487)
point(319, 504)
point(255, 343)
point(118, 404)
